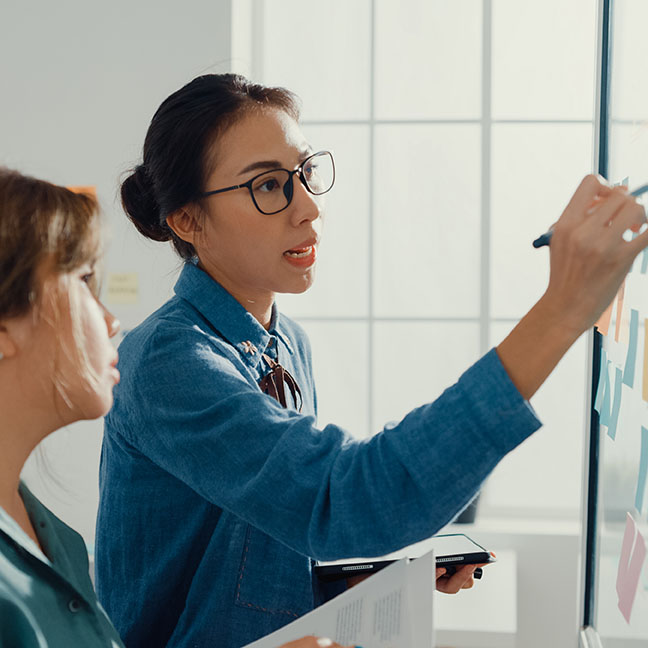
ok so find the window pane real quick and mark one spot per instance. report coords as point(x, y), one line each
point(323, 56)
point(428, 59)
point(341, 285)
point(544, 56)
point(414, 362)
point(342, 394)
point(629, 144)
point(535, 170)
point(427, 220)
point(629, 90)
point(545, 471)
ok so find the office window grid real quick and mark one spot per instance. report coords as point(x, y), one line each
point(352, 321)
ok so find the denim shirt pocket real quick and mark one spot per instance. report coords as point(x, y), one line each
point(273, 578)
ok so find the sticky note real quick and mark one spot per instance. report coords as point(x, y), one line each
point(607, 398)
point(633, 554)
point(644, 261)
point(603, 323)
point(644, 390)
point(619, 315)
point(122, 288)
point(629, 369)
point(616, 404)
point(600, 389)
point(643, 471)
point(85, 190)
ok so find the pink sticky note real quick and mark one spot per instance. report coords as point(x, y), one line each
point(633, 554)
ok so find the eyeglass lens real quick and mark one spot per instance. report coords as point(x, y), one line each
point(274, 190)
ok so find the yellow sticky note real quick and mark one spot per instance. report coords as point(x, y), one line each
point(122, 288)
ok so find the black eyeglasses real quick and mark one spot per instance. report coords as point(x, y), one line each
point(272, 191)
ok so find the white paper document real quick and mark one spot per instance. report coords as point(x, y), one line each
point(390, 609)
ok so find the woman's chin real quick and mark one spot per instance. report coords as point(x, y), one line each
point(298, 285)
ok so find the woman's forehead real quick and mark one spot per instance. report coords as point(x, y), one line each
point(260, 135)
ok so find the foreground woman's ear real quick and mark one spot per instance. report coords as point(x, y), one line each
point(8, 347)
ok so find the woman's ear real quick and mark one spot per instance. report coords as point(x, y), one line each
point(8, 346)
point(185, 223)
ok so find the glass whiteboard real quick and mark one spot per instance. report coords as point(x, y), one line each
point(617, 562)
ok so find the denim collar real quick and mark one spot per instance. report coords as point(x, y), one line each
point(226, 315)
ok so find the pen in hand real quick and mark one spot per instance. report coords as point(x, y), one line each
point(545, 239)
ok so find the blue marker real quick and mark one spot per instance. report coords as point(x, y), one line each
point(545, 239)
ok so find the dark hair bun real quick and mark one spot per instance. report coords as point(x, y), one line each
point(141, 206)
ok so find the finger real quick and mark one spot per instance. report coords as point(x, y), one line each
point(591, 187)
point(311, 642)
point(352, 581)
point(325, 642)
point(453, 584)
point(604, 211)
point(638, 243)
point(440, 571)
point(631, 216)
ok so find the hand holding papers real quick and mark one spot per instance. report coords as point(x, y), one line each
point(391, 609)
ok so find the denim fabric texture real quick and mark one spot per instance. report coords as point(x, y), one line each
point(215, 499)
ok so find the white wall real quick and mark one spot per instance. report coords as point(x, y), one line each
point(80, 82)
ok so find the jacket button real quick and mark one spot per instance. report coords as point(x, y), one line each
point(74, 605)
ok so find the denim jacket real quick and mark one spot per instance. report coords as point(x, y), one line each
point(215, 499)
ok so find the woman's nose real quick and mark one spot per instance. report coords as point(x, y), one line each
point(112, 323)
point(306, 205)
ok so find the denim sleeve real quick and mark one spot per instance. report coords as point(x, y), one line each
point(319, 491)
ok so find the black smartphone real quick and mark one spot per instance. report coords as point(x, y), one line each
point(451, 551)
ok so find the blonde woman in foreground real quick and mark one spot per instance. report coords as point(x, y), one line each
point(57, 366)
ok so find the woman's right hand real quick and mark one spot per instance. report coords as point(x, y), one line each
point(314, 642)
point(589, 260)
point(589, 256)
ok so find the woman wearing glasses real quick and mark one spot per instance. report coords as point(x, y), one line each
point(217, 487)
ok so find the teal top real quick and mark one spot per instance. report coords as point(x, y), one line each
point(47, 599)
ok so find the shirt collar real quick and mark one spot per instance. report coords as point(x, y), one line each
point(226, 315)
point(275, 329)
point(11, 528)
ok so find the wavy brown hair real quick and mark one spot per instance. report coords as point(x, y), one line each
point(41, 222)
point(46, 230)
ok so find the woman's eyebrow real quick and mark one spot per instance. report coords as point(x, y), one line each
point(263, 164)
point(273, 164)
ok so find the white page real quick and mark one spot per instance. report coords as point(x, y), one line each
point(377, 613)
point(421, 585)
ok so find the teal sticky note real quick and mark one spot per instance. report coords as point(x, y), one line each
point(644, 261)
point(600, 389)
point(607, 399)
point(616, 405)
point(629, 369)
point(643, 471)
